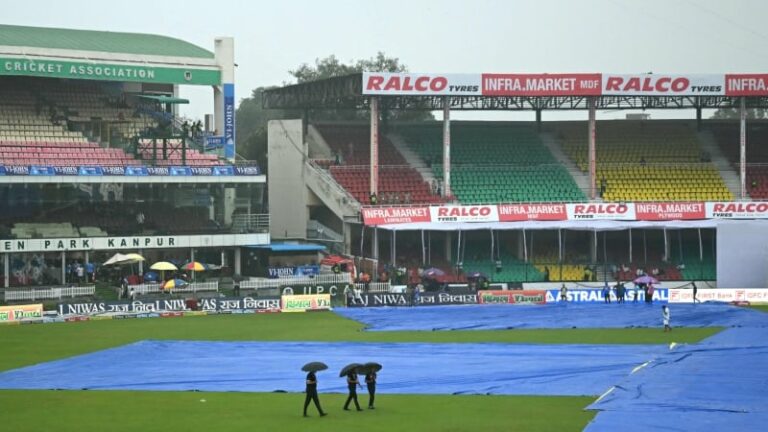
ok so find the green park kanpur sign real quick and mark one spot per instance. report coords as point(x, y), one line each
point(108, 72)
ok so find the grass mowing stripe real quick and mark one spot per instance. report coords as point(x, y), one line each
point(30, 344)
point(118, 411)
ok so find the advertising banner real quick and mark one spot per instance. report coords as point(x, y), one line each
point(424, 84)
point(393, 215)
point(563, 84)
point(524, 212)
point(20, 312)
point(444, 298)
point(610, 211)
point(380, 299)
point(595, 295)
point(96, 308)
point(234, 304)
point(303, 303)
point(726, 295)
point(465, 213)
point(107, 71)
point(295, 271)
point(746, 85)
point(512, 296)
point(669, 211)
point(663, 85)
point(229, 120)
point(541, 84)
point(736, 210)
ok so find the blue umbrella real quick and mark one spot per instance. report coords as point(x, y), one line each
point(151, 277)
point(477, 275)
point(433, 272)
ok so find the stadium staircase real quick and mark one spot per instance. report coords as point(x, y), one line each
point(727, 137)
point(412, 158)
point(581, 178)
point(727, 170)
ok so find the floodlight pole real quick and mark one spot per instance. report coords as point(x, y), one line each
point(374, 181)
point(446, 146)
point(743, 147)
point(592, 169)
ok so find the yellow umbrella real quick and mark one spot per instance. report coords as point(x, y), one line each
point(163, 266)
point(134, 258)
point(173, 283)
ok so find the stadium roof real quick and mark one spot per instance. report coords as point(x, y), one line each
point(99, 41)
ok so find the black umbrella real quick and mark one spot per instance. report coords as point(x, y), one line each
point(352, 367)
point(314, 367)
point(372, 366)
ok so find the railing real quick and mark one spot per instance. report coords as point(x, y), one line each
point(329, 180)
point(250, 223)
point(157, 288)
point(374, 287)
point(50, 293)
point(322, 279)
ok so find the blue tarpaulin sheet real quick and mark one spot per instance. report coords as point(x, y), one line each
point(488, 368)
point(719, 384)
point(581, 315)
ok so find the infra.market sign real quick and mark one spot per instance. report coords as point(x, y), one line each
point(108, 71)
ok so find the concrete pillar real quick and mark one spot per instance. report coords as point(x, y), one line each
point(224, 95)
point(7, 268)
point(593, 247)
point(743, 147)
point(375, 244)
point(63, 267)
point(347, 232)
point(238, 261)
point(229, 205)
point(141, 263)
point(448, 249)
point(87, 261)
point(446, 146)
point(592, 152)
point(374, 179)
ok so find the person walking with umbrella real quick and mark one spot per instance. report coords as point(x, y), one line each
point(352, 382)
point(311, 389)
point(370, 381)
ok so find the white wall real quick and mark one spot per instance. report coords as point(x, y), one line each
point(742, 254)
point(287, 193)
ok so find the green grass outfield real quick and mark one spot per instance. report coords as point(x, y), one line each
point(171, 411)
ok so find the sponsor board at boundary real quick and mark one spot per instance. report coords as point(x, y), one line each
point(646, 211)
point(169, 305)
point(563, 84)
point(512, 297)
point(595, 295)
point(303, 303)
point(334, 290)
point(379, 299)
point(726, 295)
point(20, 312)
point(444, 298)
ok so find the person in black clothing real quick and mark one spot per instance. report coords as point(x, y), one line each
point(312, 394)
point(370, 381)
point(352, 384)
point(695, 291)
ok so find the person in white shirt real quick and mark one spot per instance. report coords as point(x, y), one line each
point(665, 318)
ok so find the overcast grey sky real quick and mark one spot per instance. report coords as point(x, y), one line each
point(271, 38)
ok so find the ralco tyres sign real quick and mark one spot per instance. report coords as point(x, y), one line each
point(645, 211)
point(564, 84)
